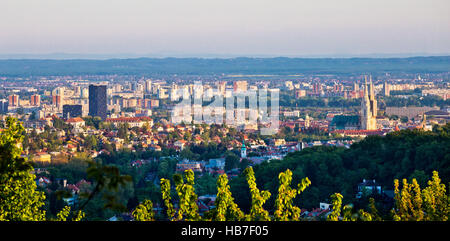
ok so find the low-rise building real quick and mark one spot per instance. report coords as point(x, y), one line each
point(131, 121)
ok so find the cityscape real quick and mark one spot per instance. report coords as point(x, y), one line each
point(70, 119)
point(124, 112)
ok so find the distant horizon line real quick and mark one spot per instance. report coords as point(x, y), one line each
point(82, 56)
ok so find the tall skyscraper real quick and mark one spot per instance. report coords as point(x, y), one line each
point(97, 101)
point(368, 107)
point(148, 86)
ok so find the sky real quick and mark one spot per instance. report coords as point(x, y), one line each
point(205, 28)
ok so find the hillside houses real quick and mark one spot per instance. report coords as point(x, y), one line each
point(131, 121)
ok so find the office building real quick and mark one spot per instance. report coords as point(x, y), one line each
point(97, 101)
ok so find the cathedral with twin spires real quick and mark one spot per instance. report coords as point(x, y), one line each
point(368, 107)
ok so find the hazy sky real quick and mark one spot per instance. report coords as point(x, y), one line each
point(230, 27)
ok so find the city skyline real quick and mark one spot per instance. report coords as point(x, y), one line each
point(198, 28)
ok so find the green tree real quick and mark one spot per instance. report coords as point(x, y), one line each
point(144, 211)
point(226, 209)
point(284, 208)
point(231, 161)
point(19, 199)
point(257, 212)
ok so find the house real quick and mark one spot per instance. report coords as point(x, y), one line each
point(71, 148)
point(180, 144)
point(368, 187)
point(160, 129)
point(131, 121)
point(315, 213)
point(187, 164)
point(76, 122)
point(325, 206)
point(278, 142)
point(42, 157)
point(43, 181)
point(197, 139)
point(155, 148)
point(169, 128)
point(137, 163)
point(216, 165)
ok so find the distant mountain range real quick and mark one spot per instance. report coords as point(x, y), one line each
point(219, 66)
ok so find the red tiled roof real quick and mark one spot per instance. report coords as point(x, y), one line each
point(74, 120)
point(129, 119)
point(360, 132)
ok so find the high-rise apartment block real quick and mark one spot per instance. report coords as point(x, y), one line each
point(97, 101)
point(13, 100)
point(35, 100)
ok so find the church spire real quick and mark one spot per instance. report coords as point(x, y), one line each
point(243, 150)
point(371, 89)
point(368, 106)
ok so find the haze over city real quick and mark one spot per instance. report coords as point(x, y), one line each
point(219, 28)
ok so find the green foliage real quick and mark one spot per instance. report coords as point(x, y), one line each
point(205, 184)
point(436, 203)
point(226, 209)
point(165, 192)
point(188, 210)
point(231, 161)
point(336, 201)
point(402, 154)
point(414, 100)
point(373, 210)
point(330, 167)
point(414, 204)
point(284, 208)
point(79, 216)
point(108, 180)
point(19, 199)
point(257, 212)
point(144, 211)
point(63, 214)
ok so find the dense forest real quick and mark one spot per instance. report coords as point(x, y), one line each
point(404, 154)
